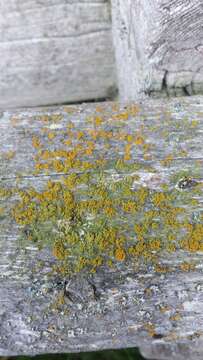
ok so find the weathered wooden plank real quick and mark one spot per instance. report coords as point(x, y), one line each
point(158, 47)
point(55, 52)
point(101, 232)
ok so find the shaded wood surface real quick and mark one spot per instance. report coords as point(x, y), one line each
point(158, 47)
point(150, 296)
point(55, 52)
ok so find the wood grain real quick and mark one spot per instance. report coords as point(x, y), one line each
point(138, 168)
point(55, 52)
point(158, 47)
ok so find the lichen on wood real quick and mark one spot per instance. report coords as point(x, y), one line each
point(93, 195)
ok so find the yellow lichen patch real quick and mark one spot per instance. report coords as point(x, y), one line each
point(110, 211)
point(129, 206)
point(120, 254)
point(186, 266)
point(171, 248)
point(36, 142)
point(4, 192)
point(154, 244)
point(129, 138)
point(194, 123)
point(138, 229)
point(95, 211)
point(80, 135)
point(98, 120)
point(139, 140)
point(99, 109)
point(58, 166)
point(89, 150)
point(159, 199)
point(142, 195)
point(51, 135)
point(94, 134)
point(150, 329)
point(121, 116)
point(194, 240)
point(41, 166)
point(69, 109)
point(168, 160)
point(59, 250)
point(127, 155)
point(67, 142)
point(56, 117)
point(175, 317)
point(165, 308)
point(9, 155)
point(161, 268)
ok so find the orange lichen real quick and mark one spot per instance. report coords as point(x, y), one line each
point(95, 211)
point(139, 140)
point(186, 266)
point(69, 109)
point(59, 250)
point(165, 308)
point(150, 329)
point(121, 116)
point(36, 142)
point(154, 244)
point(159, 199)
point(175, 317)
point(120, 254)
point(51, 135)
point(130, 206)
point(168, 160)
point(98, 120)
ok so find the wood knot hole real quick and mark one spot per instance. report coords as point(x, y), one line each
point(186, 183)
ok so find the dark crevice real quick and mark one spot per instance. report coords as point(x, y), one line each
point(186, 91)
point(111, 96)
point(164, 83)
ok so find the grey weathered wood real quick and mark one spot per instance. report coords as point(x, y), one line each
point(158, 47)
point(55, 52)
point(156, 306)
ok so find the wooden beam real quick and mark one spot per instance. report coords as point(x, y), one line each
point(55, 52)
point(101, 228)
point(158, 47)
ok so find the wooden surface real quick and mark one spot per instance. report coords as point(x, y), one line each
point(113, 191)
point(158, 47)
point(55, 51)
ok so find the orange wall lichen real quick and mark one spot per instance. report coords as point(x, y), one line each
point(86, 216)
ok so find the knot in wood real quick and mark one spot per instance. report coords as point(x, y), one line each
point(186, 183)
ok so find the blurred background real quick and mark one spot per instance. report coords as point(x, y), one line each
point(124, 354)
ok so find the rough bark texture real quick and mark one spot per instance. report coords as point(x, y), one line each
point(148, 181)
point(55, 51)
point(158, 47)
